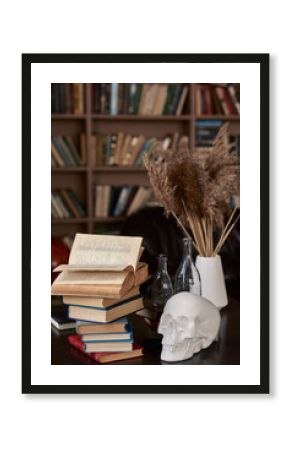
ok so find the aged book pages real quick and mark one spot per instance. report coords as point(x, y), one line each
point(103, 253)
point(99, 302)
point(108, 284)
point(95, 278)
point(112, 291)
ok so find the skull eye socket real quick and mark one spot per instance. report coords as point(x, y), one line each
point(183, 322)
point(164, 322)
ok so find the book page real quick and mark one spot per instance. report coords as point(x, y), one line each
point(108, 278)
point(105, 252)
point(91, 268)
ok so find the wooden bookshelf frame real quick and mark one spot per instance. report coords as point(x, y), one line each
point(120, 175)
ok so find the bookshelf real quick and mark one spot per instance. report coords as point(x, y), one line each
point(83, 178)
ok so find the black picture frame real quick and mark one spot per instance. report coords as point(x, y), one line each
point(27, 61)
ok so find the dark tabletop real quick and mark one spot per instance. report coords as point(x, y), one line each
point(225, 351)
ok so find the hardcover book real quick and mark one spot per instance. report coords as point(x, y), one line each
point(107, 357)
point(98, 302)
point(60, 321)
point(101, 265)
point(118, 326)
point(91, 314)
point(107, 337)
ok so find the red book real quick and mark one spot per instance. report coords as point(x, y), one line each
point(229, 102)
point(208, 102)
point(104, 358)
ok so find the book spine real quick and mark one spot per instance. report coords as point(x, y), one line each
point(67, 98)
point(114, 99)
point(58, 213)
point(126, 99)
point(175, 99)
point(76, 202)
point(121, 89)
point(234, 98)
point(182, 100)
point(170, 91)
point(54, 152)
point(137, 98)
point(65, 212)
point(64, 155)
point(103, 98)
point(220, 94)
point(121, 201)
point(83, 149)
point(67, 149)
point(72, 148)
point(61, 98)
point(228, 101)
point(96, 98)
point(70, 203)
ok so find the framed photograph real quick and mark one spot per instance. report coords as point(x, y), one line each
point(145, 223)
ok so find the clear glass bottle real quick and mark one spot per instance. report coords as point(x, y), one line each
point(162, 288)
point(187, 277)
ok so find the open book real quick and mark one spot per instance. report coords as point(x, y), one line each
point(105, 253)
point(101, 265)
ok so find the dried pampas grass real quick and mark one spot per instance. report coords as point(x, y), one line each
point(197, 190)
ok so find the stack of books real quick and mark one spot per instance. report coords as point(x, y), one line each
point(100, 286)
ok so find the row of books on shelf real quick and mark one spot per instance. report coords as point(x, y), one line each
point(101, 294)
point(143, 99)
point(205, 133)
point(116, 201)
point(65, 153)
point(110, 201)
point(65, 204)
point(67, 98)
point(218, 100)
point(115, 149)
point(119, 98)
point(125, 149)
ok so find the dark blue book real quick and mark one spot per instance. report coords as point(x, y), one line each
point(209, 123)
point(175, 99)
point(115, 192)
point(60, 321)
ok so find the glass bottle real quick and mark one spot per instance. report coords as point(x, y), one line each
point(162, 288)
point(187, 276)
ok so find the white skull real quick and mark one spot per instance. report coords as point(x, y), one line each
point(188, 324)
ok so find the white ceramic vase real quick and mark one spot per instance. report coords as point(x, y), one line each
point(212, 280)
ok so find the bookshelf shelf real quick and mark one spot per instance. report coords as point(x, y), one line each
point(217, 117)
point(83, 179)
point(120, 169)
point(69, 221)
point(69, 169)
point(139, 117)
point(109, 219)
point(68, 116)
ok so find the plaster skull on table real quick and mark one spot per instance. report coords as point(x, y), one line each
point(188, 324)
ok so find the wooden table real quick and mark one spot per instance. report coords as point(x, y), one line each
point(225, 351)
